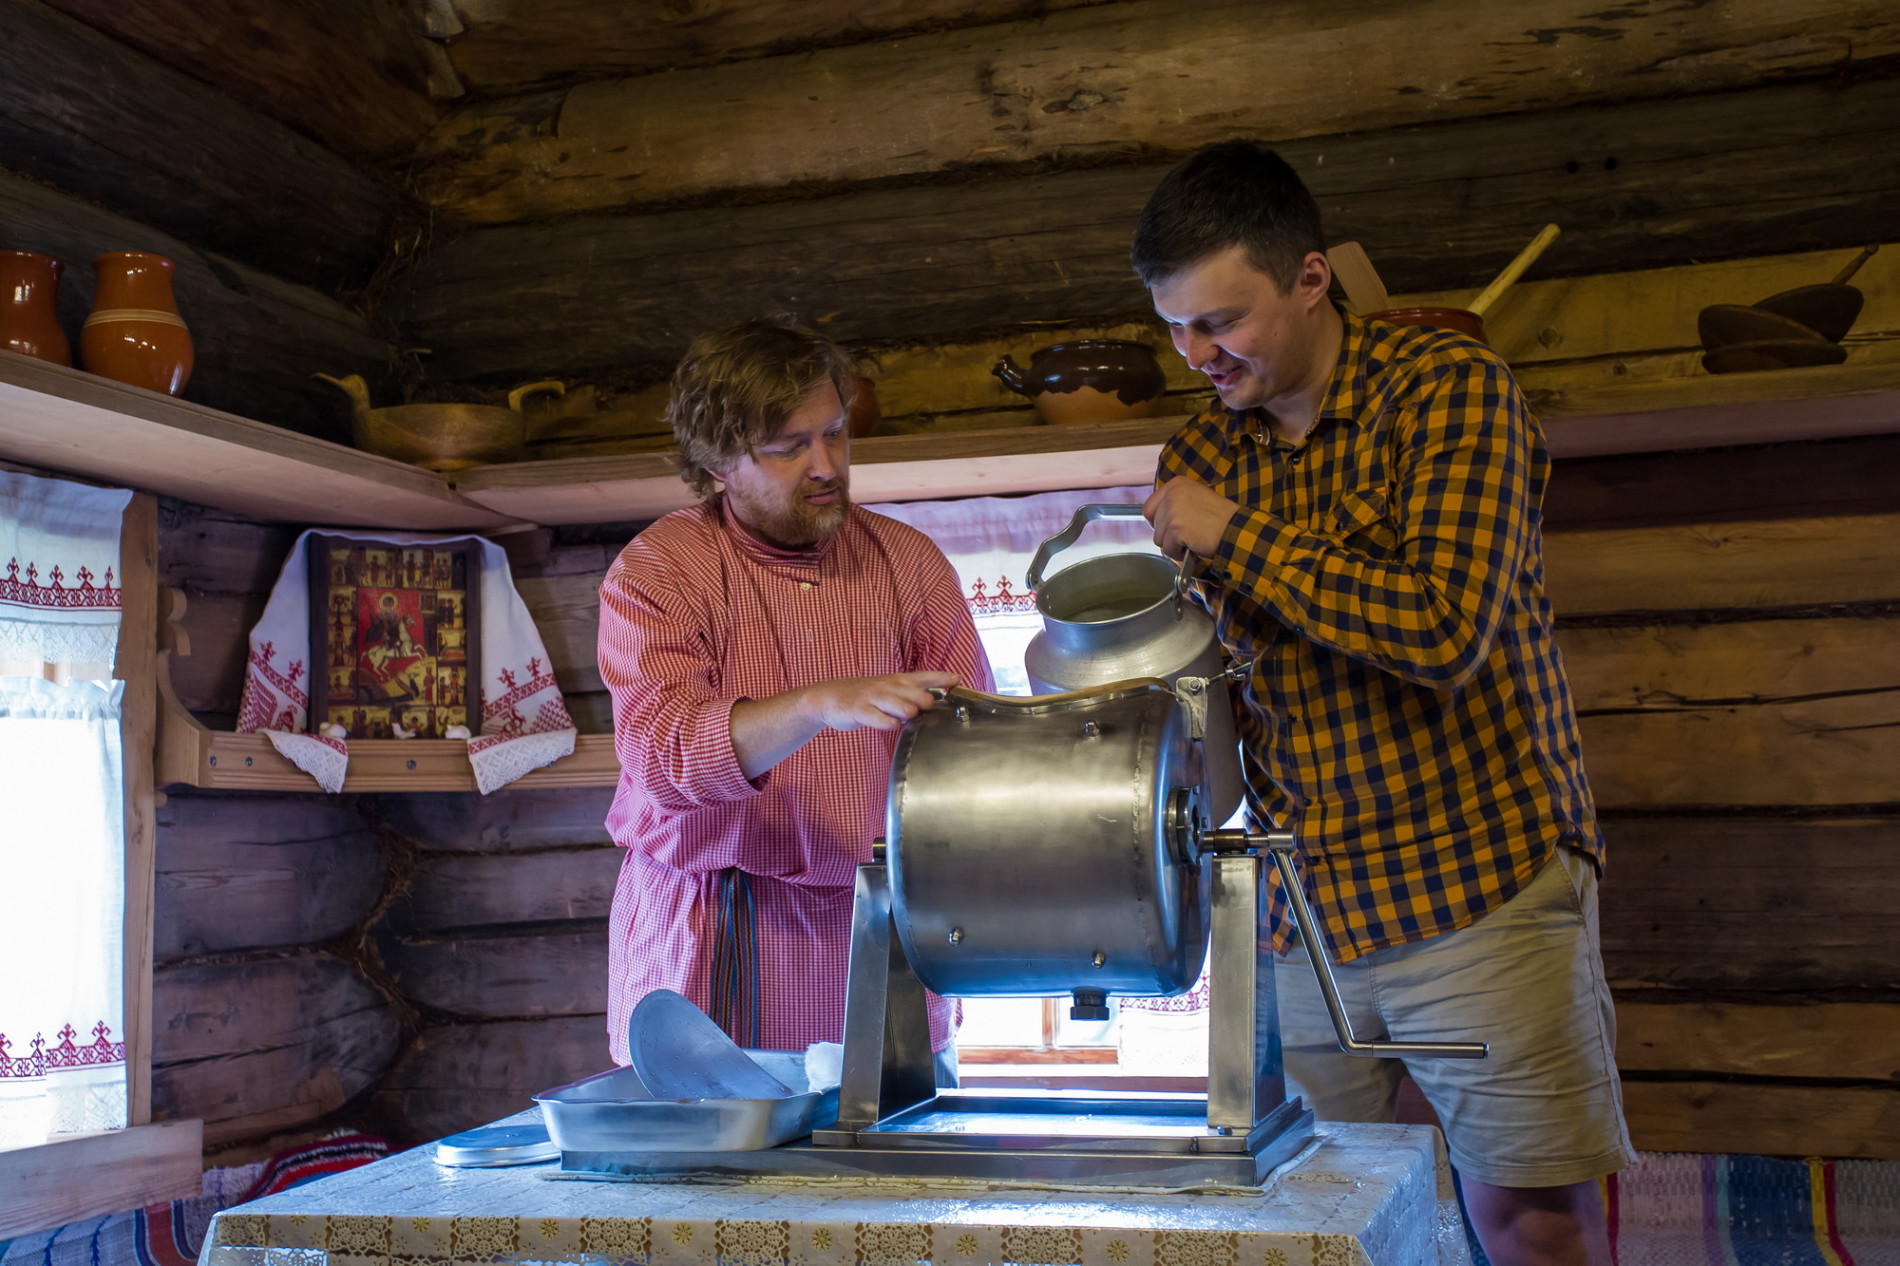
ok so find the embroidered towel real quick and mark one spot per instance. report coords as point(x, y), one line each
point(525, 724)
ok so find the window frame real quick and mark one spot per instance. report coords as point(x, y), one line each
point(86, 1175)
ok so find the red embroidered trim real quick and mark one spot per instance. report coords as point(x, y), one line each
point(286, 685)
point(31, 593)
point(1003, 601)
point(536, 683)
point(43, 1060)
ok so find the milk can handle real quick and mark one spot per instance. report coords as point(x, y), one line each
point(1084, 515)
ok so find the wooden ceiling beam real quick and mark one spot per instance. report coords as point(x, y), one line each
point(1635, 186)
point(83, 112)
point(1088, 84)
point(511, 45)
point(353, 74)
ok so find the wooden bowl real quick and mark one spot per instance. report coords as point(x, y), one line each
point(1830, 310)
point(441, 436)
point(1724, 324)
point(1457, 320)
point(1746, 358)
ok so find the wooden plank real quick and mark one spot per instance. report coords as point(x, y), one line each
point(257, 339)
point(1825, 752)
point(596, 294)
point(353, 74)
point(1817, 480)
point(66, 420)
point(92, 116)
point(516, 43)
point(457, 1076)
point(137, 668)
point(91, 1175)
point(299, 869)
point(515, 820)
point(884, 468)
point(1759, 664)
point(1790, 906)
point(253, 1047)
point(205, 551)
point(1700, 1116)
point(248, 762)
point(1698, 567)
point(503, 976)
point(1101, 80)
point(1842, 1041)
point(464, 890)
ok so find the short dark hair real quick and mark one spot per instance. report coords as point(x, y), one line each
point(1234, 193)
point(735, 387)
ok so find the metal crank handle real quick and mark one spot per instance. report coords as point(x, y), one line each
point(1279, 846)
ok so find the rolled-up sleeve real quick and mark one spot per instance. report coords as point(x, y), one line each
point(672, 726)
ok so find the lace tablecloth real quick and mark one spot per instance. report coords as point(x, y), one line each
point(1374, 1194)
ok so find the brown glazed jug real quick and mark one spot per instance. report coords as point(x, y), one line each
point(1088, 380)
point(134, 334)
point(29, 307)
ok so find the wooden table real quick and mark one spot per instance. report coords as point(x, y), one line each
point(1378, 1195)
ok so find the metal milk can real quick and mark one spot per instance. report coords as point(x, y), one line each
point(1123, 616)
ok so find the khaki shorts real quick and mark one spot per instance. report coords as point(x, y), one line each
point(1545, 1109)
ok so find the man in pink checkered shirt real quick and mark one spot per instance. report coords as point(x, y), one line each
point(763, 648)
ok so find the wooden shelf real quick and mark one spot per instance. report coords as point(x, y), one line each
point(883, 468)
point(1709, 411)
point(191, 755)
point(64, 420)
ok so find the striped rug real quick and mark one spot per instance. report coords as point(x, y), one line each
point(1687, 1210)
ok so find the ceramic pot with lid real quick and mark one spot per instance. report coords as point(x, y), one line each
point(1088, 380)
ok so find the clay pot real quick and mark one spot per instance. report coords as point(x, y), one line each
point(865, 413)
point(440, 436)
point(134, 334)
point(1089, 380)
point(1457, 320)
point(29, 307)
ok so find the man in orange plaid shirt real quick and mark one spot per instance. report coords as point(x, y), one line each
point(1363, 508)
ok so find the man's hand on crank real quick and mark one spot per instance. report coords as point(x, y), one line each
point(1188, 514)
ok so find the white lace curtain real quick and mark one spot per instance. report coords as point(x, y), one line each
point(990, 541)
point(62, 834)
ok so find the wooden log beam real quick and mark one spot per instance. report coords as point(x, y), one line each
point(467, 890)
point(521, 821)
point(1841, 1041)
point(1105, 81)
point(255, 1047)
point(514, 44)
point(239, 871)
point(1712, 1116)
point(354, 74)
point(258, 339)
point(457, 1076)
point(507, 975)
point(1438, 207)
point(84, 112)
point(1788, 906)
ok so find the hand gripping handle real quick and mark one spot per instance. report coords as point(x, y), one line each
point(1084, 515)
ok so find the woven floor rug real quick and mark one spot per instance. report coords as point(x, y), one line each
point(1677, 1210)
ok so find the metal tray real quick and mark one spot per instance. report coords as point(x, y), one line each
point(612, 1112)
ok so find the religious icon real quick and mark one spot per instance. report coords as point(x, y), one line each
point(399, 627)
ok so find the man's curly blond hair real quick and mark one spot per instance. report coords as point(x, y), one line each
point(735, 387)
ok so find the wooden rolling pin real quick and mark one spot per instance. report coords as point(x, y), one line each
point(1515, 269)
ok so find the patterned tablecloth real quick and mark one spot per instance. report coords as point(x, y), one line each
point(1378, 1195)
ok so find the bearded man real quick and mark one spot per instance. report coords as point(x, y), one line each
point(763, 648)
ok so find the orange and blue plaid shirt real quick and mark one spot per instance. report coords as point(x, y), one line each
point(1407, 716)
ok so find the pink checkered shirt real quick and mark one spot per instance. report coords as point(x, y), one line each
point(695, 615)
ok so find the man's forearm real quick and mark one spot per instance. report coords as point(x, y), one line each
point(766, 731)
